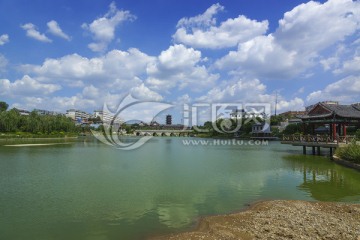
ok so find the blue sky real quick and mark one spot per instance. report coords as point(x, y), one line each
point(58, 55)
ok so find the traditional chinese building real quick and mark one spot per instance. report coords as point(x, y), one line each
point(337, 117)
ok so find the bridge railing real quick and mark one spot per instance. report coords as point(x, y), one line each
point(317, 138)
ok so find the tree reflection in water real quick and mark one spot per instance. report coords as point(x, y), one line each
point(324, 180)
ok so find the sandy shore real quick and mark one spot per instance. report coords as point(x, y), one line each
point(34, 144)
point(281, 220)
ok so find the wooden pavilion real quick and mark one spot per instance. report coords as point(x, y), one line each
point(336, 117)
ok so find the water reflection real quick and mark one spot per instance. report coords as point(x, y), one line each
point(92, 191)
point(324, 180)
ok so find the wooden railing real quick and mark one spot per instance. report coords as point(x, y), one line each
point(317, 138)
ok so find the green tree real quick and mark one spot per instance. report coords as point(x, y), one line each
point(3, 106)
point(10, 120)
point(357, 134)
point(275, 120)
point(292, 129)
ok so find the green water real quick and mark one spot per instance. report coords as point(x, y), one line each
point(87, 190)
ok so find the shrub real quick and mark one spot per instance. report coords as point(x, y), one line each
point(350, 152)
point(357, 134)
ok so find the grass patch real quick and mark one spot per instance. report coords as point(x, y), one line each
point(350, 153)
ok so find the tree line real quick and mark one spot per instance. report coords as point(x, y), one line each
point(12, 121)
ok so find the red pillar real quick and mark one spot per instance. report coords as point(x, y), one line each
point(344, 129)
point(334, 131)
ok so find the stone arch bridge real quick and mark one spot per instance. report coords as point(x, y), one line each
point(164, 132)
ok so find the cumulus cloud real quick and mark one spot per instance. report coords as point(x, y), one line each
point(313, 26)
point(4, 39)
point(180, 67)
point(349, 67)
point(91, 92)
point(142, 92)
point(346, 90)
point(100, 79)
point(241, 90)
point(116, 69)
point(183, 99)
point(296, 45)
point(56, 103)
point(202, 32)
point(32, 32)
point(205, 19)
point(263, 57)
point(26, 86)
point(103, 28)
point(54, 28)
point(249, 91)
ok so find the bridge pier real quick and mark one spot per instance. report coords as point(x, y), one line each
point(316, 142)
point(331, 153)
point(313, 150)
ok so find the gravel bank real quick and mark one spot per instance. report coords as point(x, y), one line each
point(281, 220)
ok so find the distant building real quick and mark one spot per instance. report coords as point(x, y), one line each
point(46, 112)
point(238, 114)
point(77, 115)
point(107, 117)
point(23, 112)
point(154, 124)
point(261, 130)
point(98, 113)
point(168, 119)
point(142, 124)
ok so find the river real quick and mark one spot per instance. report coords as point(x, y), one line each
point(88, 190)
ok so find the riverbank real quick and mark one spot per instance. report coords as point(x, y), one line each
point(345, 163)
point(36, 141)
point(281, 219)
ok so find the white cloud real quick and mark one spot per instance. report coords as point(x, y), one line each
point(103, 28)
point(201, 31)
point(346, 90)
point(329, 63)
point(26, 86)
point(4, 39)
point(54, 28)
point(180, 67)
point(101, 79)
point(239, 91)
point(183, 99)
point(296, 45)
point(349, 67)
point(3, 63)
point(60, 104)
point(205, 19)
point(312, 26)
point(91, 92)
point(141, 92)
point(32, 32)
point(296, 104)
point(115, 70)
point(263, 57)
point(249, 91)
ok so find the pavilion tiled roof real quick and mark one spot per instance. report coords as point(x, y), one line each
point(343, 111)
point(346, 111)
